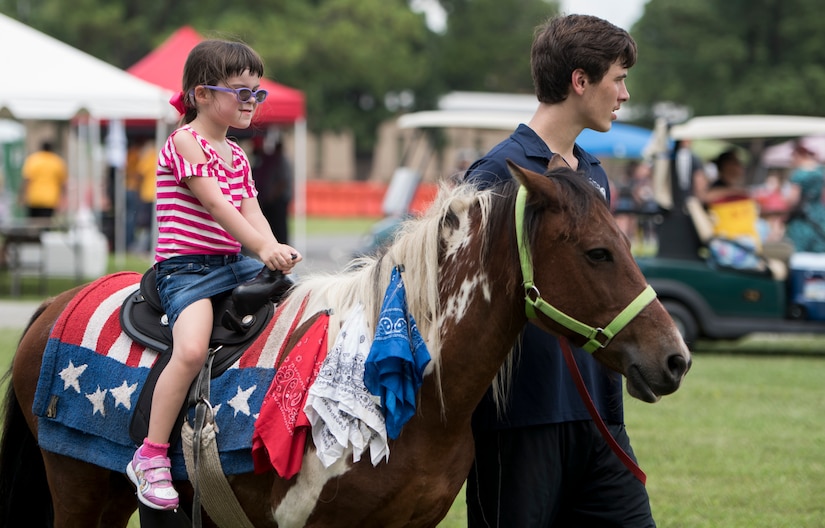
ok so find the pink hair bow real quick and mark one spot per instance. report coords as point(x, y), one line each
point(178, 103)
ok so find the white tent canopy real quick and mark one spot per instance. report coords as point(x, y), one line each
point(45, 79)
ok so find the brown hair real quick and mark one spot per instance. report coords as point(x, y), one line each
point(728, 156)
point(212, 62)
point(566, 43)
point(801, 150)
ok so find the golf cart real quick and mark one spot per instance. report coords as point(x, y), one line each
point(711, 298)
point(469, 125)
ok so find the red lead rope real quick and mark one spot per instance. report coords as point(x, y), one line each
point(591, 407)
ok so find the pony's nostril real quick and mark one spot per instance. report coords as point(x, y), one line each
point(678, 365)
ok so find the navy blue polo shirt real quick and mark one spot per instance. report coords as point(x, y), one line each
point(542, 391)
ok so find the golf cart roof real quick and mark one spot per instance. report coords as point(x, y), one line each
point(748, 127)
point(622, 141)
point(495, 120)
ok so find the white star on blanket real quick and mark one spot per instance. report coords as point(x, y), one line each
point(70, 376)
point(240, 401)
point(123, 395)
point(97, 398)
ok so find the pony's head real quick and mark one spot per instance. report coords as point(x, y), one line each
point(584, 270)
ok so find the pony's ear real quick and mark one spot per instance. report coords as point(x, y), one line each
point(521, 174)
point(556, 162)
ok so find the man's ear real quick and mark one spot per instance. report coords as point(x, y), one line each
point(579, 80)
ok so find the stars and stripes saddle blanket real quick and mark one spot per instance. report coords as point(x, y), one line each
point(92, 374)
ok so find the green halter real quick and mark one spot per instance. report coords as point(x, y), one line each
point(596, 337)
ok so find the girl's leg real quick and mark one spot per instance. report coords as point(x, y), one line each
point(149, 469)
point(190, 337)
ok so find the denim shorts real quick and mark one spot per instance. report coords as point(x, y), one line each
point(188, 278)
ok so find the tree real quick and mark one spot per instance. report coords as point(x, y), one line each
point(118, 32)
point(358, 61)
point(731, 57)
point(487, 43)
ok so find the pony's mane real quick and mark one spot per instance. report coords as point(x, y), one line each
point(416, 247)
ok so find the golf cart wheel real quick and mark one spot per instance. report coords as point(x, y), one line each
point(684, 320)
point(797, 312)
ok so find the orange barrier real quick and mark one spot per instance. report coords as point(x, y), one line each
point(358, 198)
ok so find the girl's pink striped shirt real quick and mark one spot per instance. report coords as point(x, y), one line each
point(185, 227)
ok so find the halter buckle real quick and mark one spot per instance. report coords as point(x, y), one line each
point(601, 337)
point(532, 290)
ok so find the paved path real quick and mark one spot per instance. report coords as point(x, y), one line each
point(16, 314)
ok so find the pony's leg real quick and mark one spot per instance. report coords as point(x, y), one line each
point(87, 496)
point(122, 502)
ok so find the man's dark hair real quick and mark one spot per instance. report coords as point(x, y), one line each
point(566, 43)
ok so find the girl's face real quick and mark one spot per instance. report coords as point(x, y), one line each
point(225, 108)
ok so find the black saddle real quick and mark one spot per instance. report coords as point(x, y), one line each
point(239, 316)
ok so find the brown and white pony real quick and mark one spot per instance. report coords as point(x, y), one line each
point(464, 283)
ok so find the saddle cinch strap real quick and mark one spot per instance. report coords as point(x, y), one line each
point(239, 317)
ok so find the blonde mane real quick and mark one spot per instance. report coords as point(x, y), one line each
point(416, 248)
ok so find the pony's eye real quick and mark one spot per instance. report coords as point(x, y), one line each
point(599, 255)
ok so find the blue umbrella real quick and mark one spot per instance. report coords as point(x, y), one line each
point(621, 141)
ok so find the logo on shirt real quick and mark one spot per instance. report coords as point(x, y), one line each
point(601, 189)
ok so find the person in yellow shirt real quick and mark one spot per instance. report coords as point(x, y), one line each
point(133, 182)
point(44, 182)
point(146, 167)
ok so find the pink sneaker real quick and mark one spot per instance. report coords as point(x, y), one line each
point(153, 479)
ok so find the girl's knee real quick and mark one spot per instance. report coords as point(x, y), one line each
point(190, 356)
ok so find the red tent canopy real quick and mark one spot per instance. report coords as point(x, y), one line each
point(164, 67)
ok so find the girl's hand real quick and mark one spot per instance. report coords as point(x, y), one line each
point(281, 257)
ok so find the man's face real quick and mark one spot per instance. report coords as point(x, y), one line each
point(603, 99)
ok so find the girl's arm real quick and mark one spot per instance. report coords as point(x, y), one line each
point(251, 210)
point(260, 240)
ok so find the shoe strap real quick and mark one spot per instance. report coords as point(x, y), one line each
point(158, 475)
point(157, 462)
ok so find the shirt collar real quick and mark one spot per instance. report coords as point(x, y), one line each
point(535, 147)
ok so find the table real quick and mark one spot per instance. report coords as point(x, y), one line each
point(14, 237)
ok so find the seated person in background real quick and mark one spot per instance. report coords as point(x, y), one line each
point(730, 183)
point(806, 223)
point(736, 241)
point(773, 208)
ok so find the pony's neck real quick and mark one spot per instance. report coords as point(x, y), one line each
point(483, 313)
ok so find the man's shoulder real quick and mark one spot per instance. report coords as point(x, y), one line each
point(492, 167)
point(521, 148)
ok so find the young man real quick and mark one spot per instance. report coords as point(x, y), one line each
point(541, 461)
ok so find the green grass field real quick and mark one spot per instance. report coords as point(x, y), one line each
point(740, 445)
